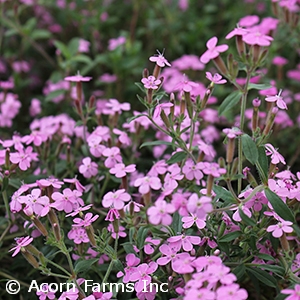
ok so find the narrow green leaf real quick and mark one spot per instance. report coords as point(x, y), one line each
point(275, 269)
point(265, 256)
point(63, 49)
point(230, 236)
point(223, 194)
point(239, 271)
point(54, 94)
point(177, 157)
point(84, 265)
point(279, 206)
point(177, 223)
point(141, 237)
point(140, 86)
point(263, 276)
point(136, 117)
point(249, 149)
point(259, 86)
point(262, 164)
point(229, 102)
point(40, 34)
point(81, 58)
point(157, 143)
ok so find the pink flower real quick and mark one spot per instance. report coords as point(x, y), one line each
point(113, 156)
point(77, 78)
point(21, 243)
point(112, 215)
point(159, 214)
point(276, 157)
point(216, 79)
point(114, 43)
point(232, 132)
point(131, 262)
point(160, 60)
point(213, 51)
point(170, 252)
point(45, 292)
point(185, 85)
point(142, 275)
point(199, 206)
point(151, 82)
point(87, 221)
point(232, 291)
point(281, 227)
point(192, 170)
point(88, 168)
point(213, 169)
point(278, 99)
point(83, 46)
point(145, 183)
point(79, 235)
point(51, 181)
point(184, 241)
point(114, 235)
point(24, 158)
point(183, 263)
point(189, 221)
point(163, 106)
point(294, 294)
point(115, 199)
point(257, 38)
point(120, 170)
point(67, 201)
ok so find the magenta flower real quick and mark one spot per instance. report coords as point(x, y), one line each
point(257, 38)
point(113, 156)
point(77, 78)
point(281, 227)
point(213, 51)
point(88, 168)
point(115, 199)
point(151, 82)
point(66, 201)
point(232, 291)
point(160, 60)
point(276, 157)
point(232, 132)
point(142, 275)
point(23, 158)
point(192, 170)
point(38, 203)
point(159, 214)
point(278, 99)
point(145, 183)
point(294, 294)
point(87, 221)
point(112, 215)
point(114, 235)
point(183, 263)
point(184, 241)
point(213, 169)
point(216, 79)
point(78, 235)
point(45, 292)
point(79, 187)
point(189, 221)
point(120, 170)
point(21, 243)
point(51, 181)
point(185, 85)
point(131, 262)
point(170, 252)
point(199, 206)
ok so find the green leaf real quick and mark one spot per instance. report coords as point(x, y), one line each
point(229, 102)
point(54, 94)
point(249, 149)
point(177, 157)
point(141, 237)
point(246, 219)
point(230, 236)
point(263, 276)
point(40, 34)
point(84, 265)
point(136, 117)
point(223, 194)
point(239, 271)
point(259, 86)
point(63, 49)
point(279, 206)
point(140, 86)
point(81, 58)
point(262, 164)
point(177, 222)
point(275, 269)
point(157, 143)
point(265, 256)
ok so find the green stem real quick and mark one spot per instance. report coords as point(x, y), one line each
point(58, 267)
point(5, 231)
point(7, 276)
point(5, 199)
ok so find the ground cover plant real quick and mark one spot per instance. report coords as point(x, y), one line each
point(149, 149)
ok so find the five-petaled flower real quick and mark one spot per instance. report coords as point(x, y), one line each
point(151, 82)
point(213, 51)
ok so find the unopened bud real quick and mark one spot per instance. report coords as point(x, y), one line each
point(92, 102)
point(30, 258)
point(90, 232)
point(230, 150)
point(145, 73)
point(219, 63)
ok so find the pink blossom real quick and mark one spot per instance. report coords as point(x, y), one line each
point(131, 262)
point(276, 157)
point(151, 82)
point(39, 204)
point(248, 21)
point(66, 201)
point(213, 169)
point(278, 99)
point(192, 170)
point(149, 245)
point(232, 291)
point(170, 252)
point(232, 132)
point(88, 168)
point(185, 85)
point(113, 156)
point(257, 38)
point(216, 79)
point(113, 106)
point(72, 294)
point(112, 215)
point(183, 263)
point(120, 170)
point(115, 43)
point(45, 292)
point(239, 31)
point(35, 107)
point(213, 51)
point(159, 214)
point(78, 235)
point(24, 158)
point(79, 187)
point(162, 107)
point(87, 221)
point(21, 243)
point(115, 199)
point(147, 182)
point(142, 275)
point(83, 46)
point(36, 137)
point(281, 227)
point(184, 241)
point(189, 221)
point(160, 60)
point(77, 78)
point(51, 181)
point(294, 294)
point(199, 206)
point(114, 235)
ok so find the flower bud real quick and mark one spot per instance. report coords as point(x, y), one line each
point(230, 150)
point(30, 258)
point(90, 232)
point(39, 225)
point(219, 63)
